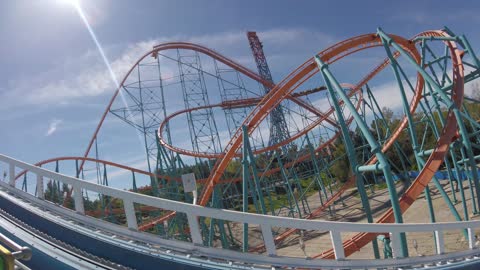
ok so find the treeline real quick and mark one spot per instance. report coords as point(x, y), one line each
point(401, 155)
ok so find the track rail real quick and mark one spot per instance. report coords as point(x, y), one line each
point(326, 116)
point(73, 252)
point(263, 221)
point(449, 133)
point(180, 45)
point(284, 91)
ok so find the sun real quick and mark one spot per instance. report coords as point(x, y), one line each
point(74, 3)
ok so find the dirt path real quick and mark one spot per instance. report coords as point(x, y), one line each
point(352, 211)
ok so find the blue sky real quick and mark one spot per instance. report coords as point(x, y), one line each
point(54, 85)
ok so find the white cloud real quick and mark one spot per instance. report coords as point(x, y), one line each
point(422, 17)
point(87, 76)
point(53, 126)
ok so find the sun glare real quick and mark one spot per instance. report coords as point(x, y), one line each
point(74, 3)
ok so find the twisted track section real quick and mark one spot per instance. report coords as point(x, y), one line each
point(283, 90)
point(449, 133)
point(433, 163)
point(255, 101)
point(188, 46)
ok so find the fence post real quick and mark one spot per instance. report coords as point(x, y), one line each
point(40, 193)
point(11, 175)
point(268, 240)
point(440, 242)
point(78, 197)
point(396, 245)
point(337, 245)
point(194, 229)
point(471, 238)
point(130, 215)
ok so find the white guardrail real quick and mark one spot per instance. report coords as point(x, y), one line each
point(193, 212)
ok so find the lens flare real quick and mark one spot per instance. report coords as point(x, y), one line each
point(80, 12)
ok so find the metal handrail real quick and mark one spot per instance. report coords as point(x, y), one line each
point(13, 253)
point(19, 252)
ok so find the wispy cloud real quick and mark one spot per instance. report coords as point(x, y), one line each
point(423, 17)
point(53, 126)
point(86, 76)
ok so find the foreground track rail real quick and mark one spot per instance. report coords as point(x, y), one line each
point(47, 250)
point(195, 253)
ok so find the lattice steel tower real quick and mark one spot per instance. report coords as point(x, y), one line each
point(201, 123)
point(278, 126)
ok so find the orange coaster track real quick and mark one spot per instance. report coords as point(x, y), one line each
point(284, 90)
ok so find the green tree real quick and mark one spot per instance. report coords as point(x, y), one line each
point(341, 166)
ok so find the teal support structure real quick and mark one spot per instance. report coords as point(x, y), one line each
point(348, 142)
point(317, 176)
point(245, 180)
point(334, 88)
point(465, 140)
point(397, 70)
point(290, 197)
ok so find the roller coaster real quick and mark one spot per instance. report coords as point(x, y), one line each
point(243, 172)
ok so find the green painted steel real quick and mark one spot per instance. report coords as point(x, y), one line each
point(411, 130)
point(451, 106)
point(246, 179)
point(334, 88)
point(296, 178)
